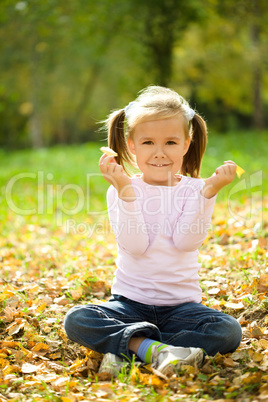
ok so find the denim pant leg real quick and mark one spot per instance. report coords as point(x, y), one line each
point(193, 324)
point(109, 326)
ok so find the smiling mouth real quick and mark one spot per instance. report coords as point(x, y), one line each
point(160, 165)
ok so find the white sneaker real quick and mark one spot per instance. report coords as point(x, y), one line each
point(171, 358)
point(111, 364)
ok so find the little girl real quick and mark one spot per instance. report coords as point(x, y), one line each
point(160, 218)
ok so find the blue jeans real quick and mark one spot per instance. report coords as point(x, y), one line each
point(108, 327)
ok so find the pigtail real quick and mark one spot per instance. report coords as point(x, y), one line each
point(117, 139)
point(192, 159)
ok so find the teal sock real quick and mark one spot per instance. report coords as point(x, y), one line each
point(145, 349)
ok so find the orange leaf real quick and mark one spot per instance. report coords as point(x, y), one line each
point(9, 344)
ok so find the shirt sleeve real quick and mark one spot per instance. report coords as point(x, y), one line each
point(192, 225)
point(127, 223)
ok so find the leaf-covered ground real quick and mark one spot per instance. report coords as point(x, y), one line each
point(47, 270)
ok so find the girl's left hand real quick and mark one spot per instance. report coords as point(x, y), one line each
point(223, 175)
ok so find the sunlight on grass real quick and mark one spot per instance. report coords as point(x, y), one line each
point(65, 180)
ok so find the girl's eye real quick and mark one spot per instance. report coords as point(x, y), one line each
point(147, 142)
point(171, 142)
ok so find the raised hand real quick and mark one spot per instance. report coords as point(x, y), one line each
point(223, 175)
point(114, 174)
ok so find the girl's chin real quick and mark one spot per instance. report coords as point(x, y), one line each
point(161, 180)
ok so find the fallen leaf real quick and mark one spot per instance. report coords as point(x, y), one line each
point(263, 344)
point(213, 291)
point(77, 293)
point(9, 313)
point(228, 362)
point(29, 368)
point(16, 326)
point(263, 283)
point(256, 331)
point(235, 306)
point(41, 348)
point(251, 378)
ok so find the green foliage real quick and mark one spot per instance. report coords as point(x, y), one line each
point(65, 65)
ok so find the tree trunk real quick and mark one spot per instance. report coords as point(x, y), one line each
point(258, 120)
point(34, 126)
point(35, 130)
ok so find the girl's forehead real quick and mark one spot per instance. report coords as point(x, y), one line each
point(174, 125)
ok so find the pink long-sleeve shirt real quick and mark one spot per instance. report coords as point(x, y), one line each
point(158, 236)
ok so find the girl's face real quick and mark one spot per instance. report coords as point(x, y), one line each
point(159, 147)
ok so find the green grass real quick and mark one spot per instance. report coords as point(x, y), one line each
point(46, 182)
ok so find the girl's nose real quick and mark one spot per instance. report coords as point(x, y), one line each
point(159, 153)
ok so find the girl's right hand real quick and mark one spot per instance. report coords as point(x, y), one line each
point(114, 174)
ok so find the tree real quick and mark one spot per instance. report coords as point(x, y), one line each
point(255, 13)
point(159, 25)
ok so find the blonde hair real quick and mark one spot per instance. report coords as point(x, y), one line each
point(155, 103)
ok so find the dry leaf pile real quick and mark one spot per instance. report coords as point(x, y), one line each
point(45, 271)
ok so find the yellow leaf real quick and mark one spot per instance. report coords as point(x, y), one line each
point(7, 370)
point(190, 369)
point(250, 378)
point(239, 171)
point(256, 356)
point(41, 308)
point(78, 363)
point(33, 289)
point(263, 343)
point(6, 294)
point(4, 363)
point(108, 151)
point(135, 374)
point(72, 383)
point(155, 381)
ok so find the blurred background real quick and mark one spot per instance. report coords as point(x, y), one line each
point(65, 64)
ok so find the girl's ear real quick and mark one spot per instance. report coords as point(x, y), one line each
point(131, 146)
point(186, 145)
